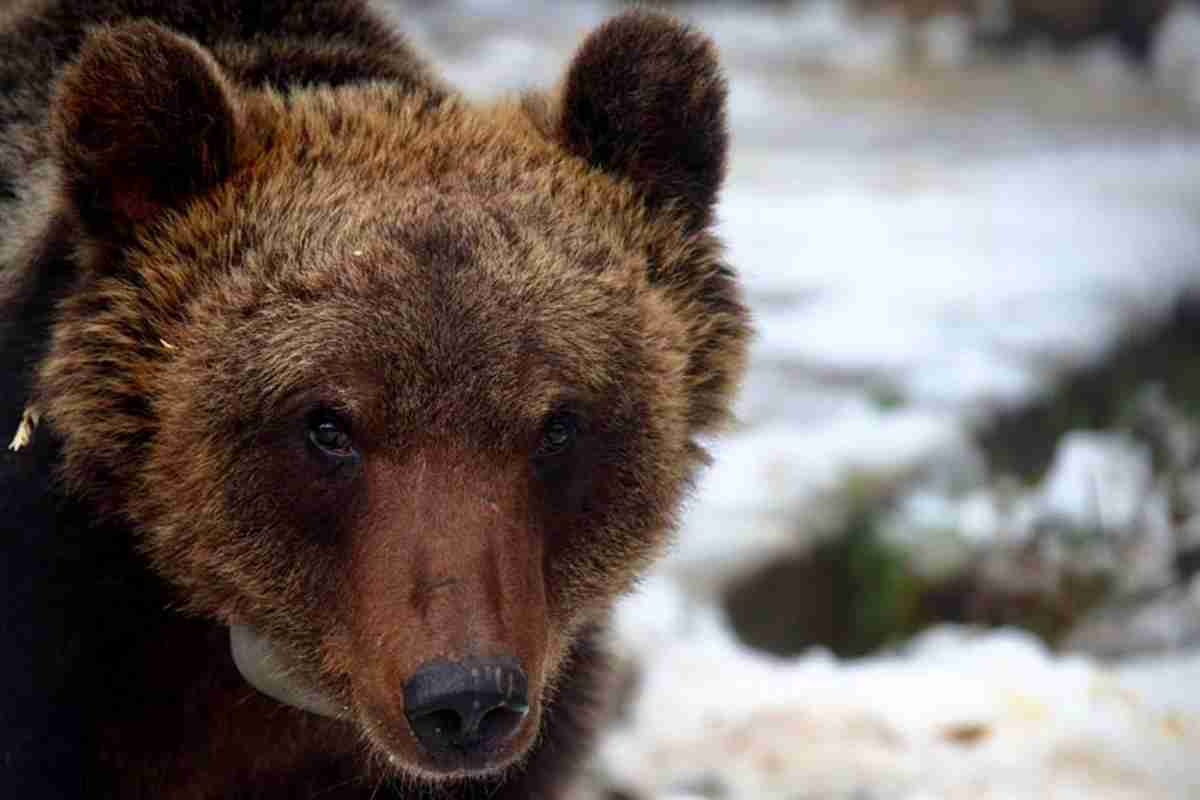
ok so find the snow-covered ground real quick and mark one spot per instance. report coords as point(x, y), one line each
point(921, 246)
point(956, 715)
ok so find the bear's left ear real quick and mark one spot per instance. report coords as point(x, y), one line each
point(141, 121)
point(644, 99)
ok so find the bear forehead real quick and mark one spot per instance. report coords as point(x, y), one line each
point(368, 143)
point(344, 180)
point(400, 299)
point(402, 330)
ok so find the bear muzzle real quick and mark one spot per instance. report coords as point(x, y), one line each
point(444, 645)
point(463, 714)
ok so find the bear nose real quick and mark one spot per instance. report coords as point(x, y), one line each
point(468, 707)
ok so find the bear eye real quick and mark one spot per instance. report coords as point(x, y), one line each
point(330, 436)
point(558, 434)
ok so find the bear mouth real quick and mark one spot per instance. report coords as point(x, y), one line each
point(270, 671)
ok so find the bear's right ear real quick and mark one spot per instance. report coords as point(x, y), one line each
point(141, 121)
point(644, 99)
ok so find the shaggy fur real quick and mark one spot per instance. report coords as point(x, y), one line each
point(229, 220)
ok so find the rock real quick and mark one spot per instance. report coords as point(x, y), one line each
point(1175, 58)
point(1164, 622)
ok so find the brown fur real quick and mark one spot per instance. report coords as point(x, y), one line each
point(444, 276)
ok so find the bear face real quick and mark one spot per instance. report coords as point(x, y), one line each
point(395, 386)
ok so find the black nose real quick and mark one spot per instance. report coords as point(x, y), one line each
point(471, 706)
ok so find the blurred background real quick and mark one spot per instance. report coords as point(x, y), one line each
point(951, 549)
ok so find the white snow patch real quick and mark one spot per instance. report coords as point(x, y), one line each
point(957, 715)
point(1098, 480)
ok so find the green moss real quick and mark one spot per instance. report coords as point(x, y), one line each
point(853, 593)
point(887, 397)
point(857, 592)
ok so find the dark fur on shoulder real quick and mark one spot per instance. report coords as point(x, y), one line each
point(230, 227)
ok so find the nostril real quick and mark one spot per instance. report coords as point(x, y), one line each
point(468, 706)
point(437, 726)
point(500, 723)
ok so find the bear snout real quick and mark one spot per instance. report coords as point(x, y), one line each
point(451, 627)
point(466, 709)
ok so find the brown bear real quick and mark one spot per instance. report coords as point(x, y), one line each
point(342, 408)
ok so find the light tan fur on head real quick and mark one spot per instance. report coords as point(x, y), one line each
point(24, 435)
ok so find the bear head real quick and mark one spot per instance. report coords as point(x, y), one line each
point(401, 388)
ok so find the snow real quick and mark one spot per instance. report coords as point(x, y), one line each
point(921, 248)
point(1100, 495)
point(768, 489)
point(1099, 480)
point(957, 715)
